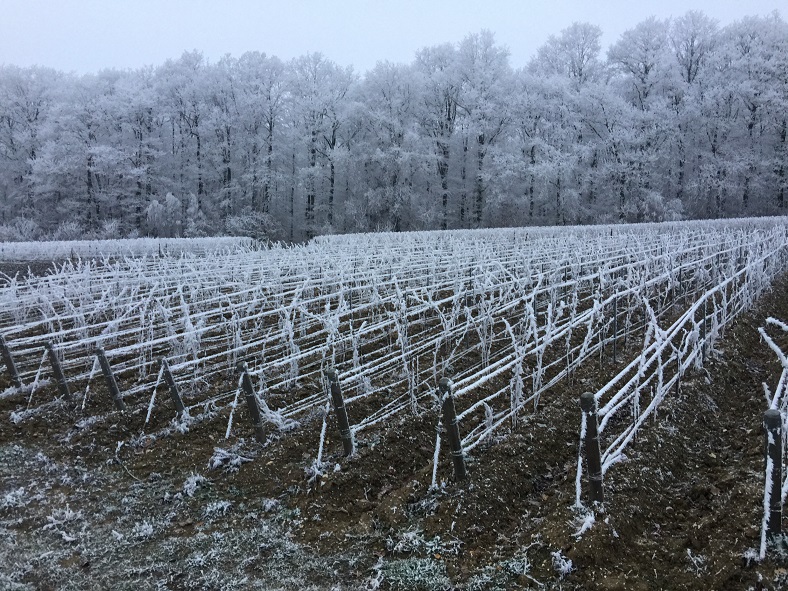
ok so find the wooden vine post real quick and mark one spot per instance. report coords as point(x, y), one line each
point(16, 381)
point(57, 369)
point(704, 347)
point(591, 447)
point(615, 328)
point(341, 411)
point(112, 385)
point(251, 402)
point(452, 429)
point(773, 422)
point(175, 394)
point(682, 291)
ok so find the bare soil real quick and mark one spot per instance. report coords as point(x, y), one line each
point(100, 504)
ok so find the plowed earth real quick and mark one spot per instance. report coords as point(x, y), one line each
point(98, 504)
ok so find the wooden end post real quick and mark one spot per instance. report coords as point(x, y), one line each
point(591, 446)
point(57, 369)
point(9, 363)
point(773, 422)
point(175, 394)
point(704, 347)
point(615, 328)
point(251, 402)
point(452, 429)
point(341, 411)
point(110, 378)
point(682, 291)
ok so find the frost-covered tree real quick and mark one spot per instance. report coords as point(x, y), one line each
point(682, 118)
point(574, 53)
point(26, 98)
point(438, 82)
point(693, 37)
point(641, 57)
point(485, 91)
point(319, 87)
point(262, 94)
point(387, 112)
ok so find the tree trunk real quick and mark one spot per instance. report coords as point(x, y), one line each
point(269, 166)
point(309, 213)
point(532, 183)
point(137, 162)
point(681, 164)
point(331, 180)
point(200, 186)
point(464, 194)
point(479, 186)
point(443, 173)
point(255, 178)
point(91, 194)
point(292, 197)
point(591, 188)
point(227, 177)
point(745, 198)
point(719, 198)
point(781, 170)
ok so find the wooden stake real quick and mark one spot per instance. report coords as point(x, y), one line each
point(175, 395)
point(452, 429)
point(591, 445)
point(773, 422)
point(57, 369)
point(682, 291)
point(9, 363)
point(251, 402)
point(703, 331)
point(615, 328)
point(341, 411)
point(110, 378)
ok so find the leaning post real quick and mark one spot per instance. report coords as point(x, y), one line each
point(57, 369)
point(453, 430)
point(615, 328)
point(591, 446)
point(175, 394)
point(682, 291)
point(773, 422)
point(112, 385)
point(251, 402)
point(704, 346)
point(341, 411)
point(16, 381)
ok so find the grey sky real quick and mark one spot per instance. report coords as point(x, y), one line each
point(88, 35)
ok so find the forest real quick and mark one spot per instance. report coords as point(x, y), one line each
point(678, 119)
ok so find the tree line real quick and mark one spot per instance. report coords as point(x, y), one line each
point(677, 119)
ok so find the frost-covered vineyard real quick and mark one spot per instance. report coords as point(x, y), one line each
point(505, 314)
point(55, 250)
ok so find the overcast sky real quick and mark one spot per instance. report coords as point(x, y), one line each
point(88, 35)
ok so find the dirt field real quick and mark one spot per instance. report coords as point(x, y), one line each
point(90, 504)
